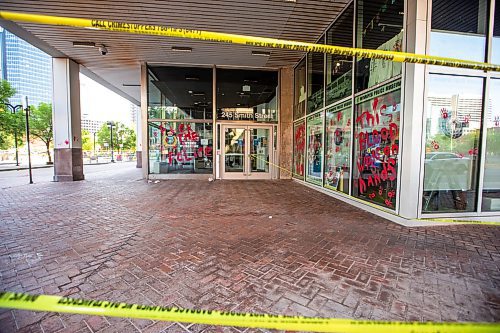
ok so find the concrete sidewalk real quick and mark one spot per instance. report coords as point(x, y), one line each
point(13, 167)
point(249, 246)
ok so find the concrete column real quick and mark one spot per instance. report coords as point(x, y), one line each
point(413, 126)
point(66, 116)
point(138, 132)
point(286, 122)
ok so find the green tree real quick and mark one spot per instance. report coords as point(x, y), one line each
point(9, 123)
point(41, 124)
point(87, 141)
point(121, 135)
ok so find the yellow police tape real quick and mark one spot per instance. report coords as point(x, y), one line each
point(445, 220)
point(48, 303)
point(160, 30)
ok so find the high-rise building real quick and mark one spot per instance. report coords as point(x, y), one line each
point(28, 69)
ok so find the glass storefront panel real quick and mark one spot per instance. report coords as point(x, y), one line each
point(234, 149)
point(380, 27)
point(259, 149)
point(315, 79)
point(299, 149)
point(376, 144)
point(299, 105)
point(338, 147)
point(495, 47)
point(180, 93)
point(314, 162)
point(180, 148)
point(339, 68)
point(249, 95)
point(453, 126)
point(459, 29)
point(491, 182)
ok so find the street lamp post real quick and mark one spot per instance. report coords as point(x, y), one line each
point(13, 110)
point(94, 148)
point(26, 108)
point(110, 124)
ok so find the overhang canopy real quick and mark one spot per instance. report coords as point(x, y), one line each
point(300, 20)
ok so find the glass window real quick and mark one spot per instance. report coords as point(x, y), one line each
point(314, 149)
point(459, 29)
point(495, 47)
point(180, 147)
point(453, 125)
point(491, 183)
point(180, 93)
point(376, 145)
point(299, 149)
point(249, 95)
point(299, 107)
point(315, 79)
point(339, 68)
point(338, 147)
point(380, 27)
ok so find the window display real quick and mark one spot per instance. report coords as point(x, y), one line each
point(315, 149)
point(247, 95)
point(179, 93)
point(339, 68)
point(338, 147)
point(299, 106)
point(315, 79)
point(299, 148)
point(180, 147)
point(453, 125)
point(376, 144)
point(380, 27)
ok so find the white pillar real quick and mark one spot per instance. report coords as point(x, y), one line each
point(144, 120)
point(138, 132)
point(412, 128)
point(66, 119)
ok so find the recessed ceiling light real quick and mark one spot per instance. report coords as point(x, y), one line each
point(198, 93)
point(192, 78)
point(84, 44)
point(182, 49)
point(261, 53)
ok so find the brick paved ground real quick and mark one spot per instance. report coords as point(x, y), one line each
point(213, 246)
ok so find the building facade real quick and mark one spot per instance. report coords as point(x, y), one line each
point(405, 141)
point(28, 69)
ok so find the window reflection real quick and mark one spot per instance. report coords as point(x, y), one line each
point(459, 29)
point(453, 125)
point(491, 183)
point(380, 26)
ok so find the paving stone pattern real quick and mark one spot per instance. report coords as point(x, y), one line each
point(214, 245)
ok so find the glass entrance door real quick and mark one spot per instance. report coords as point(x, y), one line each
point(246, 152)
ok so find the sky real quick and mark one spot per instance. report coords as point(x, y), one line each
point(100, 103)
